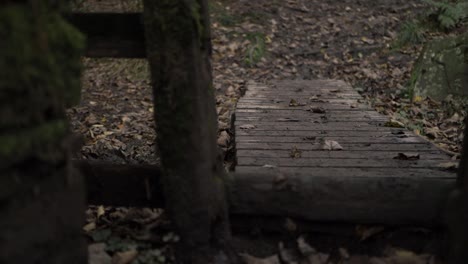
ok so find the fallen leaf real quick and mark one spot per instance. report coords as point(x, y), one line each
point(304, 247)
point(100, 211)
point(97, 254)
point(394, 123)
point(287, 119)
point(124, 257)
point(344, 254)
point(365, 232)
point(287, 255)
point(89, 227)
point(407, 156)
point(294, 103)
point(331, 145)
point(319, 258)
point(247, 127)
point(317, 109)
point(450, 166)
point(223, 139)
point(290, 225)
point(400, 256)
point(248, 259)
point(295, 153)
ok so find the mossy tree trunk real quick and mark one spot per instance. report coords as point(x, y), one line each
point(41, 199)
point(179, 51)
point(458, 202)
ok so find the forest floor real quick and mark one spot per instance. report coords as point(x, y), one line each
point(266, 40)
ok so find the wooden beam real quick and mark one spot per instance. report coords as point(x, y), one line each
point(116, 35)
point(382, 200)
point(121, 185)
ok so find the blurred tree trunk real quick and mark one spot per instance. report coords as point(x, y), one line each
point(179, 51)
point(458, 201)
point(41, 199)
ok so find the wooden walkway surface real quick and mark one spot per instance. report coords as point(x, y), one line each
point(338, 155)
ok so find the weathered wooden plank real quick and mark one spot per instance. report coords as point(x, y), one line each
point(366, 126)
point(309, 101)
point(309, 140)
point(309, 119)
point(311, 96)
point(294, 110)
point(344, 154)
point(241, 113)
point(324, 162)
point(118, 35)
point(330, 133)
point(304, 107)
point(302, 104)
point(346, 146)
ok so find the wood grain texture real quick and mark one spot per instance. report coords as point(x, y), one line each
point(283, 169)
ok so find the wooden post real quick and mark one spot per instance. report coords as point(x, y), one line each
point(179, 50)
point(41, 199)
point(457, 213)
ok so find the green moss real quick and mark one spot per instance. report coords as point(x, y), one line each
point(40, 62)
point(15, 146)
point(196, 16)
point(256, 50)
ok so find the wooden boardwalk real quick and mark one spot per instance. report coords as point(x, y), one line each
point(338, 156)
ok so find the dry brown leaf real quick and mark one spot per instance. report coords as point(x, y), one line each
point(451, 166)
point(89, 227)
point(287, 255)
point(394, 123)
point(304, 247)
point(319, 258)
point(124, 257)
point(97, 254)
point(294, 103)
point(100, 211)
point(365, 232)
point(249, 259)
point(331, 145)
point(317, 109)
point(400, 256)
point(247, 126)
point(287, 119)
point(407, 156)
point(223, 139)
point(295, 153)
point(290, 225)
point(344, 254)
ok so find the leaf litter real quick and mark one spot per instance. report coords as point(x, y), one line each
point(257, 41)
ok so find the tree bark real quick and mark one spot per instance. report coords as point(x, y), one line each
point(457, 208)
point(41, 198)
point(179, 50)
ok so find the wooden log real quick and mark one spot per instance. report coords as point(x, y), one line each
point(336, 198)
point(382, 196)
point(121, 185)
point(116, 35)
